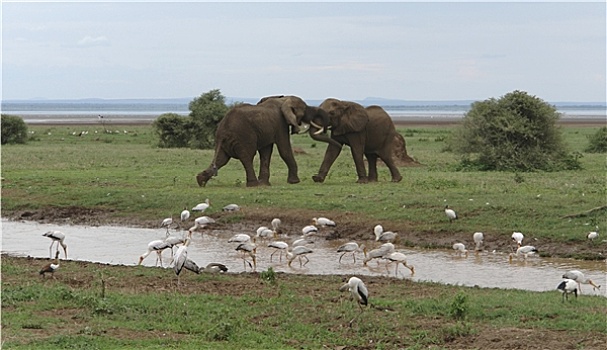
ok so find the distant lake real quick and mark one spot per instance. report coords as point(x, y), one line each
point(89, 112)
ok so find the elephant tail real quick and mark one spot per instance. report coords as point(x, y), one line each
point(214, 162)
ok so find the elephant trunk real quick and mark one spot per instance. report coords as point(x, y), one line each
point(320, 134)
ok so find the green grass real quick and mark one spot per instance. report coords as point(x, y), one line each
point(125, 173)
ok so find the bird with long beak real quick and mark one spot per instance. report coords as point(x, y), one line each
point(250, 249)
point(353, 248)
point(523, 251)
point(358, 292)
point(567, 287)
point(578, 276)
point(399, 258)
point(451, 215)
point(478, 238)
point(517, 237)
point(299, 252)
point(460, 249)
point(56, 237)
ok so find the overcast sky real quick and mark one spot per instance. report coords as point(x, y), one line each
point(403, 50)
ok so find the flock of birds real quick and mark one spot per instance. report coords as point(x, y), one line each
point(299, 249)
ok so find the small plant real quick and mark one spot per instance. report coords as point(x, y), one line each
point(597, 141)
point(458, 309)
point(14, 129)
point(268, 276)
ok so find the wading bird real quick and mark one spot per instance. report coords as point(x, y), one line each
point(301, 241)
point(172, 241)
point(359, 293)
point(249, 249)
point(202, 222)
point(478, 238)
point(231, 207)
point(279, 246)
point(323, 222)
point(214, 268)
point(167, 223)
point(52, 267)
point(276, 226)
point(201, 207)
point(56, 237)
point(351, 247)
point(451, 215)
point(593, 235)
point(191, 265)
point(309, 230)
point(264, 232)
point(517, 237)
point(379, 253)
point(180, 257)
point(155, 246)
point(240, 238)
point(299, 252)
point(567, 287)
point(523, 251)
point(400, 258)
point(460, 249)
point(185, 215)
point(579, 277)
point(383, 236)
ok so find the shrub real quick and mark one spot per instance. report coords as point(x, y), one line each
point(14, 129)
point(517, 132)
point(172, 130)
point(597, 141)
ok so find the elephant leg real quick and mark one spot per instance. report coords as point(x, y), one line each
point(247, 163)
point(286, 154)
point(331, 154)
point(372, 160)
point(265, 155)
point(203, 177)
point(386, 157)
point(357, 154)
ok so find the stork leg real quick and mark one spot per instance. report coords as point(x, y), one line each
point(341, 256)
point(307, 260)
point(354, 256)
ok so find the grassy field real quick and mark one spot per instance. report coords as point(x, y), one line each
point(122, 178)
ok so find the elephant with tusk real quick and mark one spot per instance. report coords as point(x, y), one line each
point(368, 131)
point(250, 129)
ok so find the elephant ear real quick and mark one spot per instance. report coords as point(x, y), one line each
point(291, 108)
point(352, 118)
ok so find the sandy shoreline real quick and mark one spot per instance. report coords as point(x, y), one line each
point(147, 119)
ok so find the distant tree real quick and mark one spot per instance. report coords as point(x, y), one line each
point(597, 141)
point(197, 130)
point(14, 129)
point(517, 132)
point(206, 112)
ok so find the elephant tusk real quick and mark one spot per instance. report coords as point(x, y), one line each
point(316, 125)
point(320, 131)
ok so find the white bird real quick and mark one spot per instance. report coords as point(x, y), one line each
point(279, 246)
point(180, 257)
point(203, 221)
point(264, 232)
point(450, 213)
point(201, 207)
point(240, 238)
point(214, 268)
point(593, 235)
point(301, 241)
point(478, 238)
point(351, 247)
point(323, 222)
point(172, 241)
point(250, 249)
point(231, 207)
point(379, 253)
point(276, 225)
point(299, 252)
point(359, 292)
point(309, 230)
point(400, 258)
point(460, 248)
point(167, 223)
point(185, 215)
point(579, 277)
point(517, 237)
point(56, 237)
point(567, 287)
point(52, 267)
point(524, 251)
point(155, 246)
point(383, 236)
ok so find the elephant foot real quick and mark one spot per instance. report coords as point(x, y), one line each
point(318, 178)
point(397, 179)
point(372, 179)
point(294, 180)
point(202, 179)
point(254, 183)
point(264, 183)
point(362, 180)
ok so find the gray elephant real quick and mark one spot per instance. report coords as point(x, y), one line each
point(368, 131)
point(248, 129)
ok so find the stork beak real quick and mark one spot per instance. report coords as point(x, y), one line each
point(140, 260)
point(510, 258)
point(412, 270)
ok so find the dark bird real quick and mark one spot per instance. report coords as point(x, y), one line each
point(52, 267)
point(56, 237)
point(214, 268)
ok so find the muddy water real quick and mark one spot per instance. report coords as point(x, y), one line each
point(123, 245)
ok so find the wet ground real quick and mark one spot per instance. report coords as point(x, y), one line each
point(124, 245)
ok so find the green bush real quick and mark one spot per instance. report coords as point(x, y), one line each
point(196, 130)
point(597, 141)
point(14, 129)
point(517, 132)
